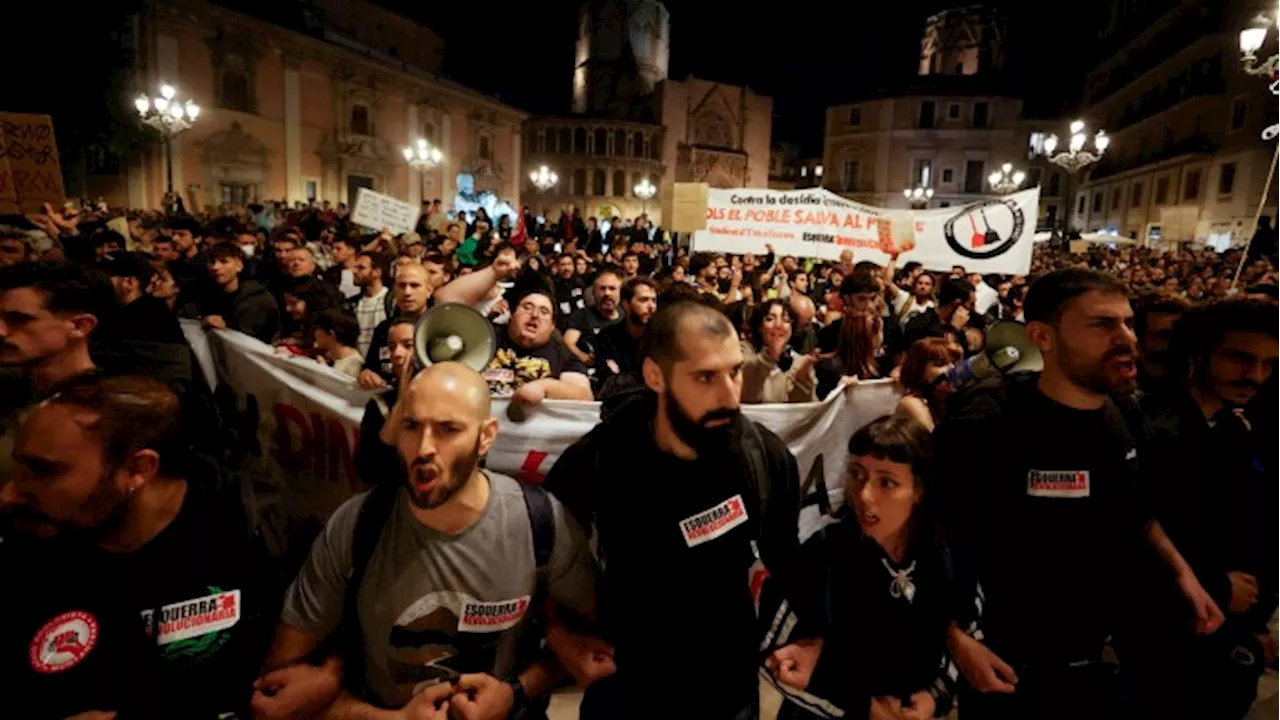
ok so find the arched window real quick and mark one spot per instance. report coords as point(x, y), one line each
point(579, 186)
point(579, 141)
point(655, 150)
point(566, 141)
point(235, 84)
point(360, 119)
point(637, 145)
point(620, 143)
point(619, 183)
point(597, 184)
point(712, 128)
point(601, 142)
point(485, 149)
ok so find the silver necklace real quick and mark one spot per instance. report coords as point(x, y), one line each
point(901, 586)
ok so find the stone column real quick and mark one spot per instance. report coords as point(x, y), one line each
point(294, 189)
point(413, 194)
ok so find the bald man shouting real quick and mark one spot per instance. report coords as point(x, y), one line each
point(432, 589)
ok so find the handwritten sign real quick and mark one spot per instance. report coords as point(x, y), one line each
point(379, 211)
point(30, 173)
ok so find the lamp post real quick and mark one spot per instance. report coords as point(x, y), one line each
point(918, 196)
point(422, 157)
point(1251, 41)
point(166, 114)
point(543, 178)
point(1006, 179)
point(645, 191)
point(1074, 159)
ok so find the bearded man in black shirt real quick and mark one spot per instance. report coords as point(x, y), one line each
point(1048, 522)
point(687, 498)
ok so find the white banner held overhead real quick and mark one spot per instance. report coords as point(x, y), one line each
point(988, 236)
point(307, 425)
point(379, 211)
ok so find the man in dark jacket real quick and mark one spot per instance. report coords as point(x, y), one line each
point(1213, 484)
point(237, 304)
point(687, 498)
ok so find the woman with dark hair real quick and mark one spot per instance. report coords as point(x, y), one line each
point(924, 379)
point(888, 596)
point(859, 352)
point(772, 372)
point(303, 301)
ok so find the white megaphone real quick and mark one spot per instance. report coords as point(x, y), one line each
point(1008, 350)
point(457, 333)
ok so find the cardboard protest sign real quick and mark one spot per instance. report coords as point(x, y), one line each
point(379, 211)
point(30, 173)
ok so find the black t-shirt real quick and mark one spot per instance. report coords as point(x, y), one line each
point(177, 628)
point(590, 322)
point(569, 299)
point(513, 366)
point(1050, 522)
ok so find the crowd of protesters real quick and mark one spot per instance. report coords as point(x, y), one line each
point(1001, 543)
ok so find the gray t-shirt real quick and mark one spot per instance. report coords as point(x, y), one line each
point(434, 605)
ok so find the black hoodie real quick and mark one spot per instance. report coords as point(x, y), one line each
point(676, 582)
point(250, 309)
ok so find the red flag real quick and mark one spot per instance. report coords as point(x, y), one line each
point(519, 235)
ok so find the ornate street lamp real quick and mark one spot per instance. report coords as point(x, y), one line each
point(421, 155)
point(1074, 159)
point(168, 115)
point(918, 196)
point(1006, 179)
point(543, 178)
point(1251, 41)
point(645, 191)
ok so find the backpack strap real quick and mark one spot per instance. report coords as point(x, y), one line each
point(372, 518)
point(757, 467)
point(543, 525)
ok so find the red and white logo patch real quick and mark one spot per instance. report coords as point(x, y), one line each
point(492, 616)
point(1058, 483)
point(63, 642)
point(711, 524)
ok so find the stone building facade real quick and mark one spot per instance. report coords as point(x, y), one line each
point(313, 110)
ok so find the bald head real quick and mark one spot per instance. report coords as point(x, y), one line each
point(803, 307)
point(455, 382)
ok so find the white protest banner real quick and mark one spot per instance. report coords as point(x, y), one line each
point(988, 236)
point(379, 211)
point(308, 420)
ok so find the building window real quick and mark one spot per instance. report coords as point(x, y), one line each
point(579, 184)
point(619, 183)
point(1226, 179)
point(597, 183)
point(579, 141)
point(101, 160)
point(1115, 199)
point(485, 148)
point(851, 168)
point(804, 171)
point(1097, 202)
point(235, 84)
point(360, 119)
point(310, 190)
point(620, 143)
point(429, 132)
point(1035, 146)
point(1080, 205)
point(1051, 215)
point(566, 142)
point(1055, 184)
point(855, 116)
point(948, 175)
point(926, 113)
point(236, 194)
point(1162, 190)
point(922, 172)
point(953, 111)
point(980, 113)
point(1191, 190)
point(637, 145)
point(817, 171)
point(974, 176)
point(1135, 195)
point(601, 141)
point(1239, 113)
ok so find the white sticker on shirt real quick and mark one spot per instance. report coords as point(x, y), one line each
point(492, 616)
point(711, 524)
point(1058, 483)
point(198, 616)
point(566, 308)
point(500, 375)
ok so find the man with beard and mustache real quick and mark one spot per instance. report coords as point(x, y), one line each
point(154, 599)
point(450, 594)
point(1213, 484)
point(686, 498)
point(585, 324)
point(618, 358)
point(569, 288)
point(1154, 318)
point(1050, 527)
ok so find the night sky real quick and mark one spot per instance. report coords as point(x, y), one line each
point(805, 55)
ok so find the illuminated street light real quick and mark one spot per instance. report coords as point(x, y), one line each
point(645, 191)
point(421, 155)
point(1252, 39)
point(543, 178)
point(166, 114)
point(1075, 158)
point(918, 196)
point(1006, 179)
